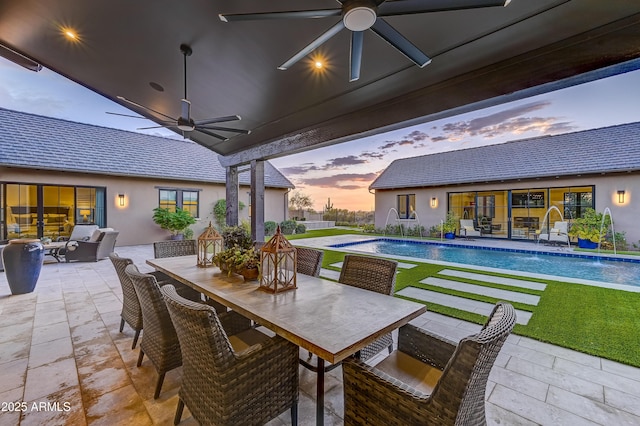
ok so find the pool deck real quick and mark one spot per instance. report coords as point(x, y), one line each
point(61, 344)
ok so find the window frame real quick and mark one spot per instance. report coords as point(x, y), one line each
point(180, 200)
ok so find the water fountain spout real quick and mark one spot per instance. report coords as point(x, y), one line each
point(545, 221)
point(613, 232)
point(415, 214)
point(397, 220)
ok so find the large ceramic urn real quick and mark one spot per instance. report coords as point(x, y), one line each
point(22, 263)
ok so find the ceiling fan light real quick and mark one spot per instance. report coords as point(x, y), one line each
point(359, 18)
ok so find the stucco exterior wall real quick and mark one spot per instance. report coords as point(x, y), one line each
point(133, 220)
point(606, 188)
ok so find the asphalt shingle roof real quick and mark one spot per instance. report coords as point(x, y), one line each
point(604, 150)
point(38, 142)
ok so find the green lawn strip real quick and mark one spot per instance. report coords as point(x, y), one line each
point(449, 311)
point(595, 252)
point(473, 296)
point(594, 320)
point(329, 232)
point(493, 285)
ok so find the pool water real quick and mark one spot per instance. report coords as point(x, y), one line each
point(572, 265)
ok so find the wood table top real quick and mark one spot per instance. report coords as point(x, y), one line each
point(331, 320)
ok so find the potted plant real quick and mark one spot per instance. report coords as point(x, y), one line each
point(175, 222)
point(239, 260)
point(449, 226)
point(590, 228)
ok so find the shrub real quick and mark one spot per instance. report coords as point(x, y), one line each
point(287, 227)
point(300, 228)
point(175, 221)
point(220, 212)
point(368, 228)
point(270, 227)
point(236, 236)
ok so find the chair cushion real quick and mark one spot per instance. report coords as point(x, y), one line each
point(246, 339)
point(95, 235)
point(555, 231)
point(410, 371)
point(469, 228)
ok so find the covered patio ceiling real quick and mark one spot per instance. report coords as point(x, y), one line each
point(126, 47)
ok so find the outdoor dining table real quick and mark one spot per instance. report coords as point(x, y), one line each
point(331, 320)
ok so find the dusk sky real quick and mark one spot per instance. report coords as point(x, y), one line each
point(345, 171)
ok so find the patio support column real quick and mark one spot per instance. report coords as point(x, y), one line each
point(257, 200)
point(232, 195)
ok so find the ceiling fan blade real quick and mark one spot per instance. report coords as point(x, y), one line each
point(408, 7)
point(397, 40)
point(144, 107)
point(165, 126)
point(215, 135)
point(218, 120)
point(298, 14)
point(186, 109)
point(313, 45)
point(355, 60)
point(126, 115)
point(225, 129)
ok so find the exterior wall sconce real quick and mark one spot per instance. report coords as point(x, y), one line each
point(121, 199)
point(621, 196)
point(434, 201)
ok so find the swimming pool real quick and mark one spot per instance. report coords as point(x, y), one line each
point(571, 265)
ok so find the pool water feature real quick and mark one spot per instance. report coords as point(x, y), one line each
point(617, 270)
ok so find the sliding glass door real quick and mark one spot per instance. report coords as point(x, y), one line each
point(37, 211)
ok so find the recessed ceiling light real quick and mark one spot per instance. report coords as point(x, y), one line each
point(70, 34)
point(319, 64)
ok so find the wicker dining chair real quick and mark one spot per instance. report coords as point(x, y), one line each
point(428, 380)
point(175, 248)
point(131, 311)
point(232, 373)
point(369, 273)
point(159, 340)
point(375, 274)
point(309, 261)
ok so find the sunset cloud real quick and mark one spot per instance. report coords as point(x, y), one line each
point(341, 180)
point(299, 170)
point(509, 121)
point(350, 160)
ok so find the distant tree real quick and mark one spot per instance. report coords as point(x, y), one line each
point(300, 201)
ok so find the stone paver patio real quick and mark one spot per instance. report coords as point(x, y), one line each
point(60, 345)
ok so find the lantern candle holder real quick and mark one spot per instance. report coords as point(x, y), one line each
point(278, 259)
point(210, 243)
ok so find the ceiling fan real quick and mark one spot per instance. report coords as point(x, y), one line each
point(361, 15)
point(185, 122)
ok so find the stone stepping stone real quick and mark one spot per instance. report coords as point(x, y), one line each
point(330, 274)
point(532, 285)
point(401, 265)
point(497, 293)
point(461, 303)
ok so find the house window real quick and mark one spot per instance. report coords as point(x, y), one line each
point(406, 206)
point(186, 199)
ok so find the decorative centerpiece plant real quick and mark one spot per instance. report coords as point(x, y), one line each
point(239, 256)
